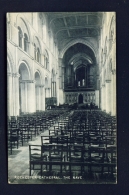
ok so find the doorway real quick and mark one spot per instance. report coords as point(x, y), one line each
point(80, 99)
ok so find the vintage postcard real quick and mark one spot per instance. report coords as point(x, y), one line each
point(61, 88)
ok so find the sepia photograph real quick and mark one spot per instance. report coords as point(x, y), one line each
point(61, 97)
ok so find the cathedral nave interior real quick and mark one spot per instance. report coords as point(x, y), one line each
point(61, 97)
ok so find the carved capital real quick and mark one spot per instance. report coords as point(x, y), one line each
point(15, 75)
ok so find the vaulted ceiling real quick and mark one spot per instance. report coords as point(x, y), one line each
point(71, 25)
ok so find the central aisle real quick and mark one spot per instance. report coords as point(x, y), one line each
point(18, 165)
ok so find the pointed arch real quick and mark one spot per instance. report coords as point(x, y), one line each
point(73, 42)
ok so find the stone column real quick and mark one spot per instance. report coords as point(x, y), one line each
point(9, 95)
point(31, 103)
point(57, 90)
point(42, 97)
point(17, 75)
point(108, 96)
point(102, 97)
point(37, 95)
point(15, 93)
point(45, 92)
point(53, 89)
point(60, 73)
point(63, 77)
point(22, 97)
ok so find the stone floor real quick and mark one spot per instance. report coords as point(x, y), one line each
point(18, 162)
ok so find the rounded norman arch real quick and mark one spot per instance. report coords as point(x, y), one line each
point(38, 77)
point(22, 17)
point(24, 71)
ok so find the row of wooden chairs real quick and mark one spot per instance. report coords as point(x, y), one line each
point(58, 157)
point(92, 149)
point(22, 129)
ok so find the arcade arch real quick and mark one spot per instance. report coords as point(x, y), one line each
point(26, 90)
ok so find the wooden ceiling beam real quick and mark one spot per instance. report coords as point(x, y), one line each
point(77, 27)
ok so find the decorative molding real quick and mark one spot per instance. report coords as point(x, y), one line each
point(15, 75)
point(27, 81)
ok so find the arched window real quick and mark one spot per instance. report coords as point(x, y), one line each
point(20, 36)
point(46, 63)
point(25, 42)
point(38, 55)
